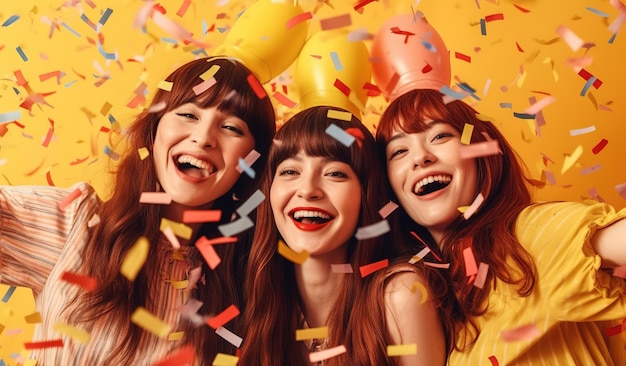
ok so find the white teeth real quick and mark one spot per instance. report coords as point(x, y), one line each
point(304, 213)
point(200, 164)
point(430, 179)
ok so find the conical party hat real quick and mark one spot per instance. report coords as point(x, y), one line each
point(332, 70)
point(266, 38)
point(409, 54)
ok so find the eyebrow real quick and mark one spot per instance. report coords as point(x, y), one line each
point(429, 125)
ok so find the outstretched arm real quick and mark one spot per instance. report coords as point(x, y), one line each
point(610, 244)
point(413, 319)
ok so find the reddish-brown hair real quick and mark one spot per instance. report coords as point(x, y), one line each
point(491, 230)
point(124, 220)
point(273, 307)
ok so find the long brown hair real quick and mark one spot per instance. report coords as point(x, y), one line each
point(491, 230)
point(124, 220)
point(273, 312)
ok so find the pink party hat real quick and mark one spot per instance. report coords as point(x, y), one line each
point(408, 54)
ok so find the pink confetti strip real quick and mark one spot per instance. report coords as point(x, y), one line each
point(523, 333)
point(208, 253)
point(481, 276)
point(204, 86)
point(69, 198)
point(249, 159)
point(169, 234)
point(479, 149)
point(327, 353)
point(474, 206)
point(387, 209)
point(338, 21)
point(368, 269)
point(224, 317)
point(572, 40)
point(195, 216)
point(156, 198)
point(229, 336)
point(621, 189)
point(537, 107)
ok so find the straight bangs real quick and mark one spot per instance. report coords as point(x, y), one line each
point(313, 123)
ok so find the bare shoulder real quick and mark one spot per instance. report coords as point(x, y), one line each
point(405, 285)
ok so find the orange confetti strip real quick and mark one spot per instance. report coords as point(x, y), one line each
point(48, 138)
point(191, 216)
point(33, 318)
point(224, 317)
point(298, 19)
point(256, 87)
point(368, 269)
point(519, 48)
point(282, 99)
point(86, 282)
point(49, 179)
point(470, 262)
point(183, 356)
point(208, 252)
point(43, 344)
point(65, 201)
point(339, 21)
point(183, 8)
point(523, 333)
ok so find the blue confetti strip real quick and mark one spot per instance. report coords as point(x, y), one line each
point(523, 115)
point(70, 83)
point(483, 27)
point(251, 203)
point(340, 135)
point(588, 84)
point(8, 294)
point(10, 116)
point(12, 19)
point(112, 119)
point(451, 93)
point(429, 46)
point(598, 12)
point(21, 53)
point(106, 55)
point(506, 105)
point(336, 61)
point(249, 171)
point(612, 39)
point(2, 362)
point(200, 51)
point(169, 40)
point(105, 16)
point(205, 27)
point(70, 29)
point(222, 30)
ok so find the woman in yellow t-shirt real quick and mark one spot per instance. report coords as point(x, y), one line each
point(533, 282)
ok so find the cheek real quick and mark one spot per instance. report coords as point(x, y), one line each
point(395, 178)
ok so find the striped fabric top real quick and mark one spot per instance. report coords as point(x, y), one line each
point(574, 301)
point(39, 242)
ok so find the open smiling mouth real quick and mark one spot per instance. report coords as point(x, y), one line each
point(309, 220)
point(194, 167)
point(432, 184)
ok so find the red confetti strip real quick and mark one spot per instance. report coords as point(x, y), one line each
point(596, 149)
point(359, 6)
point(493, 359)
point(492, 17)
point(224, 317)
point(43, 344)
point(46, 141)
point(372, 90)
point(79, 161)
point(368, 269)
point(407, 34)
point(426, 245)
point(519, 48)
point(48, 75)
point(462, 57)
point(342, 87)
point(49, 179)
point(358, 135)
point(184, 356)
point(282, 99)
point(426, 69)
point(86, 282)
point(613, 331)
point(256, 87)
point(183, 8)
point(298, 19)
point(587, 75)
point(523, 10)
point(20, 78)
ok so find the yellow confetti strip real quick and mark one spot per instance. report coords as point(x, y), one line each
point(401, 349)
point(33, 318)
point(570, 160)
point(149, 322)
point(335, 114)
point(105, 108)
point(143, 153)
point(165, 85)
point(222, 359)
point(134, 259)
point(181, 230)
point(210, 72)
point(418, 286)
point(286, 252)
point(179, 284)
point(175, 336)
point(466, 136)
point(311, 333)
point(76, 334)
point(462, 209)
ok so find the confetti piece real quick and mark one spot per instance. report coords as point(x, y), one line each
point(394, 350)
point(143, 153)
point(12, 19)
point(419, 256)
point(21, 53)
point(194, 216)
point(368, 269)
point(204, 86)
point(222, 359)
point(582, 131)
point(183, 356)
point(93, 221)
point(183, 8)
point(326, 354)
point(67, 200)
point(480, 149)
point(588, 76)
point(298, 19)
point(523, 115)
point(572, 40)
point(311, 333)
point(343, 88)
point(224, 317)
point(43, 344)
point(282, 99)
point(105, 16)
point(175, 336)
point(481, 276)
point(8, 294)
point(474, 206)
point(251, 203)
point(236, 227)
point(33, 318)
point(493, 17)
point(146, 320)
point(372, 231)
point(10, 116)
point(537, 107)
point(462, 57)
point(341, 268)
point(601, 145)
point(387, 209)
point(339, 21)
point(241, 165)
point(470, 262)
point(570, 160)
point(359, 6)
point(620, 188)
point(493, 359)
point(340, 115)
point(165, 85)
point(256, 86)
point(523, 333)
point(76, 334)
point(155, 198)
point(483, 27)
point(289, 254)
point(181, 230)
point(209, 254)
point(339, 134)
point(229, 336)
point(135, 258)
point(466, 136)
point(86, 282)
point(452, 93)
point(615, 330)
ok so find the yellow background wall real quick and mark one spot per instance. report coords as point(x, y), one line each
point(79, 108)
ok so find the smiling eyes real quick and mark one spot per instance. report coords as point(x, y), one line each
point(438, 138)
point(332, 173)
point(228, 126)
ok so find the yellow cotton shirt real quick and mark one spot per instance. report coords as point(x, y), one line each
point(574, 301)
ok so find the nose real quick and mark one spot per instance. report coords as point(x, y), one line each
point(203, 135)
point(423, 158)
point(309, 189)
